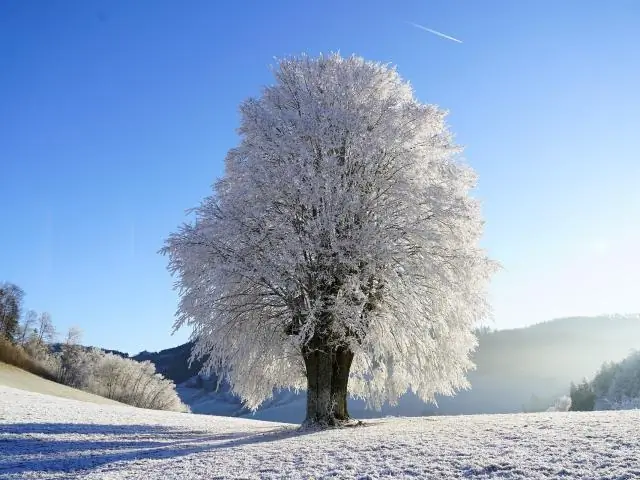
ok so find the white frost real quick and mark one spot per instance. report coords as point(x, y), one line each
point(48, 437)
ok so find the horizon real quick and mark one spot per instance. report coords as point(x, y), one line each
point(118, 118)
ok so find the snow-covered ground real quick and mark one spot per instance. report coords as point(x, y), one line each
point(49, 437)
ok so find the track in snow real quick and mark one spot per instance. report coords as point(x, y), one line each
point(48, 437)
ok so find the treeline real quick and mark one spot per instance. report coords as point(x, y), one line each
point(27, 340)
point(616, 386)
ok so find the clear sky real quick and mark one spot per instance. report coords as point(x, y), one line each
point(115, 117)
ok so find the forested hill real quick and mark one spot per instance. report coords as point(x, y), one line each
point(569, 347)
point(173, 362)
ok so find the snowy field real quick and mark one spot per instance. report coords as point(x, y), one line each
point(49, 437)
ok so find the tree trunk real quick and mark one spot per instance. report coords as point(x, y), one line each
point(327, 369)
point(318, 363)
point(342, 359)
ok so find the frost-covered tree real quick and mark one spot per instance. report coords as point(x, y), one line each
point(626, 383)
point(74, 367)
point(46, 332)
point(616, 386)
point(339, 253)
point(38, 340)
point(605, 376)
point(27, 330)
point(11, 297)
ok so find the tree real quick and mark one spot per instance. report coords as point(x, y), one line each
point(626, 383)
point(74, 335)
point(339, 252)
point(582, 397)
point(27, 330)
point(11, 297)
point(601, 383)
point(72, 368)
point(46, 332)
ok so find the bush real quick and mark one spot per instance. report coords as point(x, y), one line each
point(583, 399)
point(75, 365)
point(112, 376)
point(90, 369)
point(18, 357)
point(562, 404)
point(134, 383)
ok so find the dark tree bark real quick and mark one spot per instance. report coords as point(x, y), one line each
point(342, 359)
point(327, 371)
point(318, 362)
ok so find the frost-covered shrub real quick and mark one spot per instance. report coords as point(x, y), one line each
point(92, 370)
point(562, 404)
point(38, 350)
point(134, 383)
point(74, 363)
point(551, 403)
point(111, 376)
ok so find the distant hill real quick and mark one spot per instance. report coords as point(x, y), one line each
point(569, 348)
point(57, 347)
point(173, 362)
point(518, 369)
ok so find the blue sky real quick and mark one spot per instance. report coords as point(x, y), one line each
point(115, 118)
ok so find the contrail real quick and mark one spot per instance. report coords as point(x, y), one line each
point(435, 32)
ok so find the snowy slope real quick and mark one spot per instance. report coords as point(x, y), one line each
point(11, 376)
point(49, 437)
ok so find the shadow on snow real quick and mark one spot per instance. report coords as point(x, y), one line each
point(114, 444)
